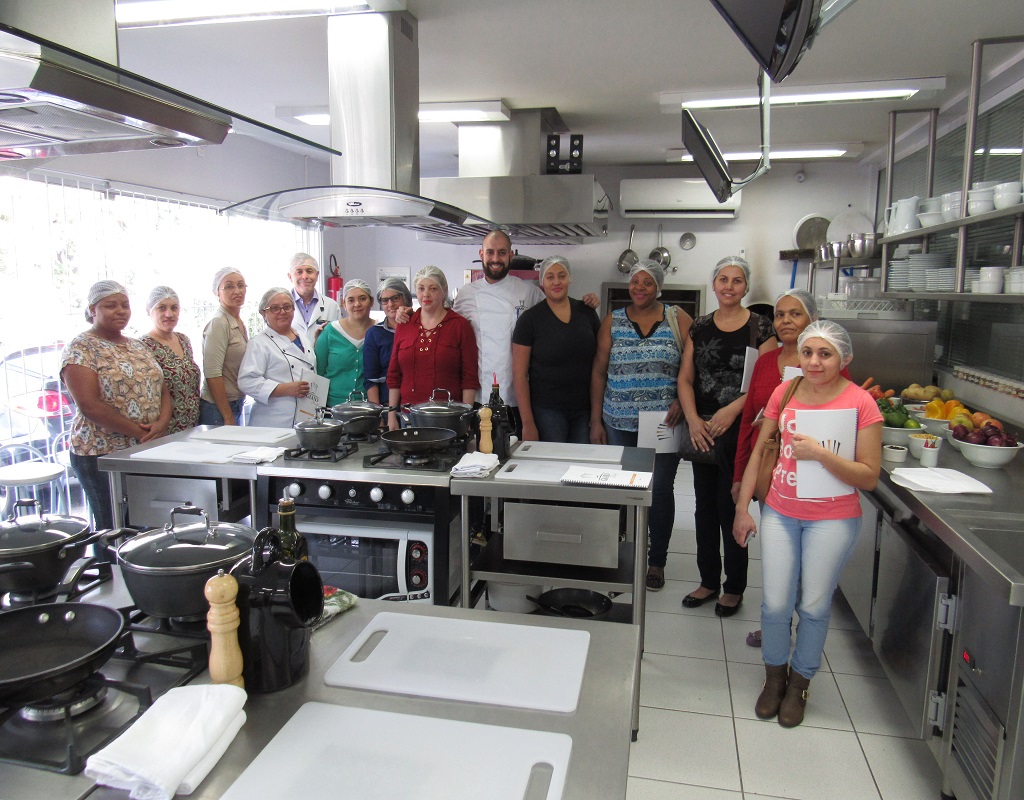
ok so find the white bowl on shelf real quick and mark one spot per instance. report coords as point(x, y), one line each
point(980, 206)
point(991, 286)
point(897, 436)
point(929, 218)
point(930, 204)
point(1003, 200)
point(916, 442)
point(980, 186)
point(1009, 187)
point(982, 455)
point(936, 427)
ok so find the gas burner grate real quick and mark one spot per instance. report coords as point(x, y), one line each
point(342, 451)
point(435, 462)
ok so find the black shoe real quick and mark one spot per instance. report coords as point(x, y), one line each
point(728, 611)
point(696, 602)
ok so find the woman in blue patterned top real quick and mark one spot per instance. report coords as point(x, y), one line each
point(710, 391)
point(636, 369)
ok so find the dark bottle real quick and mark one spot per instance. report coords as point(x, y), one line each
point(501, 423)
point(293, 544)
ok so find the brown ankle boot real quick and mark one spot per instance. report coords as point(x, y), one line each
point(791, 712)
point(775, 679)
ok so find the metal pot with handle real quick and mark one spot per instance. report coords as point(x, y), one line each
point(320, 434)
point(37, 549)
point(166, 570)
point(439, 413)
point(359, 415)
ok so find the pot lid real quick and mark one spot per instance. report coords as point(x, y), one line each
point(187, 547)
point(30, 534)
point(325, 424)
point(357, 403)
point(441, 402)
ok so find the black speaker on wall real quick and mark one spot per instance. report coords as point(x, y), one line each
point(553, 154)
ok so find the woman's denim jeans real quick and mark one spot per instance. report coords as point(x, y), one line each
point(801, 561)
point(209, 414)
point(97, 489)
point(663, 502)
point(558, 425)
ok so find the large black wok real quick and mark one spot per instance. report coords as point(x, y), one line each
point(418, 441)
point(52, 647)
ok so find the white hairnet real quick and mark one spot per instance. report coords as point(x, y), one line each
point(432, 274)
point(303, 259)
point(160, 293)
point(653, 268)
point(98, 291)
point(833, 333)
point(733, 261)
point(221, 274)
point(355, 283)
point(550, 261)
point(396, 285)
point(806, 299)
point(273, 292)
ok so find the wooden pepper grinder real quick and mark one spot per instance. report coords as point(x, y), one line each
point(485, 445)
point(222, 623)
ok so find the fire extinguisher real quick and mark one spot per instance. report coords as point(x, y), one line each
point(334, 282)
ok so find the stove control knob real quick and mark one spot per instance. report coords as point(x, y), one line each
point(325, 492)
point(376, 494)
point(352, 492)
point(408, 496)
point(295, 489)
point(417, 579)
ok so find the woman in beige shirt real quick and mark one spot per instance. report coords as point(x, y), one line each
point(224, 341)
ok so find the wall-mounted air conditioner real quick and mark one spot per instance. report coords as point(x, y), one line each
point(673, 198)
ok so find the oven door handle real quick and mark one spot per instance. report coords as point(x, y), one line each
point(403, 554)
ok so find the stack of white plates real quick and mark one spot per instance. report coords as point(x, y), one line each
point(972, 274)
point(942, 279)
point(899, 276)
point(928, 260)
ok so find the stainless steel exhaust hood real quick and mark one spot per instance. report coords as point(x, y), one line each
point(374, 104)
point(55, 101)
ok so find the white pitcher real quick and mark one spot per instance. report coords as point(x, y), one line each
point(901, 216)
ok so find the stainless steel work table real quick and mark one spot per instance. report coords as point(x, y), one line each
point(599, 727)
point(986, 531)
point(629, 577)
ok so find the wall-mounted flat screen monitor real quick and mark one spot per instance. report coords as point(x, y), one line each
point(706, 155)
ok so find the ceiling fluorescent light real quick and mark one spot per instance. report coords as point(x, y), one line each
point(1000, 151)
point(788, 95)
point(143, 13)
point(482, 111)
point(319, 116)
point(782, 154)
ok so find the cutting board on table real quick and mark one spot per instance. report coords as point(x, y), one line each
point(470, 660)
point(542, 471)
point(235, 434)
point(327, 752)
point(555, 451)
point(192, 452)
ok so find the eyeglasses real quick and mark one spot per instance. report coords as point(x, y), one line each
point(395, 298)
point(289, 309)
point(230, 287)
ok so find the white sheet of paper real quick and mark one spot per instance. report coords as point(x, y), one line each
point(836, 429)
point(748, 368)
point(788, 373)
point(654, 433)
point(317, 397)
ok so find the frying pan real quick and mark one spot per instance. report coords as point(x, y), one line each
point(52, 647)
point(578, 603)
point(627, 259)
point(418, 441)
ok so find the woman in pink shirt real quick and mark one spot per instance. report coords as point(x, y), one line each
point(805, 541)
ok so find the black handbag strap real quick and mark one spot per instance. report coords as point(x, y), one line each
point(752, 324)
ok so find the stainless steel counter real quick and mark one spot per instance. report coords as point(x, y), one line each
point(985, 530)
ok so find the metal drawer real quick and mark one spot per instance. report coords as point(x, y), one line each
point(585, 537)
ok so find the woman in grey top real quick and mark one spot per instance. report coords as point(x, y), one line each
point(224, 341)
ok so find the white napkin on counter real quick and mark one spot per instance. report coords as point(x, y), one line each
point(474, 465)
point(261, 455)
point(938, 479)
point(172, 747)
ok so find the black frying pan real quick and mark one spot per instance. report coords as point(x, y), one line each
point(418, 441)
point(51, 647)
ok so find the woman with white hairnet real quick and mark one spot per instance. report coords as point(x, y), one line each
point(121, 397)
point(553, 346)
point(393, 296)
point(435, 349)
point(339, 348)
point(173, 352)
point(805, 542)
point(636, 368)
point(710, 390)
point(224, 341)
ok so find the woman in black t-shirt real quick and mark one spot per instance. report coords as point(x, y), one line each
point(709, 391)
point(553, 348)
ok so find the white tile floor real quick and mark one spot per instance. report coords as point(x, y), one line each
point(699, 737)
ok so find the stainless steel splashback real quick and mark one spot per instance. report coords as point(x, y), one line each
point(894, 353)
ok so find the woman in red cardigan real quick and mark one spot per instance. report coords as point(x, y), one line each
point(435, 349)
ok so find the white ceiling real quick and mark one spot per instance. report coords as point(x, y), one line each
point(601, 63)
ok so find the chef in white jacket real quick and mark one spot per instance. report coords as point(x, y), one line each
point(276, 364)
point(312, 310)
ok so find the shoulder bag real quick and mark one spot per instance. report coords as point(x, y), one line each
point(770, 454)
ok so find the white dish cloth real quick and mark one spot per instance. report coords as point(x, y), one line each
point(260, 455)
point(473, 465)
point(936, 479)
point(173, 746)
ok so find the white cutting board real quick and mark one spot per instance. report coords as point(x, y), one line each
point(459, 659)
point(235, 434)
point(541, 471)
point(193, 452)
point(328, 752)
point(557, 451)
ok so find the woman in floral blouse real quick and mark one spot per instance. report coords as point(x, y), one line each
point(173, 352)
point(120, 394)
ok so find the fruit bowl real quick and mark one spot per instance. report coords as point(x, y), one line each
point(952, 439)
point(936, 427)
point(897, 435)
point(916, 442)
point(982, 455)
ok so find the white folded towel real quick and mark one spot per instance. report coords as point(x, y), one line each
point(473, 465)
point(260, 455)
point(172, 747)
